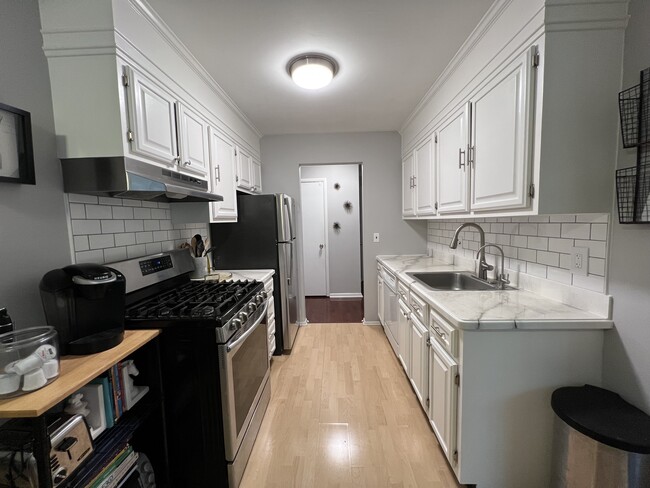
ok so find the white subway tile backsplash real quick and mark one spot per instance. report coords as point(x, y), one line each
point(141, 213)
point(115, 254)
point(80, 227)
point(81, 243)
point(101, 241)
point(112, 229)
point(536, 245)
point(599, 232)
point(122, 212)
point(112, 226)
point(77, 211)
point(99, 212)
point(576, 231)
point(126, 239)
point(78, 198)
point(134, 225)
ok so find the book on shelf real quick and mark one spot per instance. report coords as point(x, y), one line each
point(111, 475)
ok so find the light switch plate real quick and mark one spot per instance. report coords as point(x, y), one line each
point(375, 237)
point(579, 260)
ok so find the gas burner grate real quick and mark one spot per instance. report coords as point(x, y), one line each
point(194, 301)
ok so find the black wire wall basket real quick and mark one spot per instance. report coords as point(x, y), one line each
point(633, 184)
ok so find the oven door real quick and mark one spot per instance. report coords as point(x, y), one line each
point(244, 370)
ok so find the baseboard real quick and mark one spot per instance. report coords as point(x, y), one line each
point(370, 322)
point(345, 295)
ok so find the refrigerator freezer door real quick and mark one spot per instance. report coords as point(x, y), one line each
point(286, 211)
point(289, 293)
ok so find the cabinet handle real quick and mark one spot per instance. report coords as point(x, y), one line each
point(417, 309)
point(461, 152)
point(217, 172)
point(414, 184)
point(471, 154)
point(403, 296)
point(439, 331)
point(187, 163)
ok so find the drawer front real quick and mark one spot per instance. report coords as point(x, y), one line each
point(443, 333)
point(419, 307)
point(271, 329)
point(403, 292)
point(270, 309)
point(268, 286)
point(389, 279)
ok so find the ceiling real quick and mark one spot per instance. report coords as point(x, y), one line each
point(389, 52)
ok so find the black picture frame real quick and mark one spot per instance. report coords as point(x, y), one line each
point(16, 150)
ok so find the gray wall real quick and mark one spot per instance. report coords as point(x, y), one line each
point(379, 153)
point(627, 348)
point(344, 246)
point(33, 230)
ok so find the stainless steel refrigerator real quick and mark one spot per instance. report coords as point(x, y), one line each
point(265, 237)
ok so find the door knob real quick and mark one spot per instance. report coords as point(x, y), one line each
point(320, 246)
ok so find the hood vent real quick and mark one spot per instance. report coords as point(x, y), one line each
point(128, 178)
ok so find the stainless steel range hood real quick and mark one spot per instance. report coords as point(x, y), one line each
point(128, 178)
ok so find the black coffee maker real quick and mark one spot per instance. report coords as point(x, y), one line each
point(85, 303)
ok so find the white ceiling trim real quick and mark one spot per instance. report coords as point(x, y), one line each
point(492, 15)
point(143, 7)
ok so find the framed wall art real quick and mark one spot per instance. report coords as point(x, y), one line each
point(16, 152)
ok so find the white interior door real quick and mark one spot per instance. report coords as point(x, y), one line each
point(314, 234)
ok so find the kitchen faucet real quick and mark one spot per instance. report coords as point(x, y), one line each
point(502, 279)
point(483, 266)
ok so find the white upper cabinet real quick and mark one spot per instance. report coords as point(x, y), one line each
point(501, 138)
point(193, 139)
point(423, 179)
point(408, 192)
point(244, 170)
point(256, 176)
point(152, 119)
point(222, 162)
point(451, 150)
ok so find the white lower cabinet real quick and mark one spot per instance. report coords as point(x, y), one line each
point(443, 395)
point(404, 336)
point(419, 373)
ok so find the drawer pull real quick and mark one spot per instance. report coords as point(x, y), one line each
point(401, 294)
point(439, 331)
point(417, 309)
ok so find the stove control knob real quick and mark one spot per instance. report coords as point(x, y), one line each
point(235, 324)
point(259, 299)
point(264, 294)
point(243, 316)
point(251, 307)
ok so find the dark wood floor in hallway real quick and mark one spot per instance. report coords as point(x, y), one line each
point(325, 310)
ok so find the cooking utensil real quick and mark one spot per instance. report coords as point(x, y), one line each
point(193, 246)
point(200, 246)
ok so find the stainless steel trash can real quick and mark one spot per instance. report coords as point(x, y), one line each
point(600, 440)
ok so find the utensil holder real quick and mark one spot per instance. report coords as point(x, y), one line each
point(201, 268)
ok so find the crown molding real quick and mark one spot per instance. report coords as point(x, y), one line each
point(144, 9)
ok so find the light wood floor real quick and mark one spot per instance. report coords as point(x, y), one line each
point(343, 414)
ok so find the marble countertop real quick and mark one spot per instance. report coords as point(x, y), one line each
point(245, 274)
point(491, 309)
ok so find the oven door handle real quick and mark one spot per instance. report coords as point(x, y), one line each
point(235, 344)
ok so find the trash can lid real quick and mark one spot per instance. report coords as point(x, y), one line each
point(604, 416)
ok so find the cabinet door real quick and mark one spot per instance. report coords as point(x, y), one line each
point(193, 138)
point(501, 138)
point(222, 162)
point(244, 170)
point(443, 395)
point(419, 373)
point(423, 179)
point(256, 176)
point(404, 336)
point(408, 195)
point(152, 117)
point(451, 162)
point(380, 299)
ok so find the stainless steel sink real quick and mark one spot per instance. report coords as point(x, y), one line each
point(453, 281)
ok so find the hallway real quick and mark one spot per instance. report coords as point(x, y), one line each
point(324, 310)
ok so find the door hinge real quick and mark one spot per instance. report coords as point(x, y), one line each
point(531, 190)
point(428, 342)
point(428, 402)
point(436, 206)
point(235, 151)
point(435, 138)
point(455, 456)
point(236, 178)
point(536, 59)
point(129, 136)
point(457, 379)
point(125, 80)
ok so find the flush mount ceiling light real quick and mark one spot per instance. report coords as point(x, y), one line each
point(312, 71)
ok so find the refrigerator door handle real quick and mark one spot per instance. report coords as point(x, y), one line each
point(290, 264)
point(290, 215)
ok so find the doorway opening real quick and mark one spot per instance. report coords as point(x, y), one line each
point(332, 241)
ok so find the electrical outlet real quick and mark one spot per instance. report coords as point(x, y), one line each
point(580, 260)
point(375, 237)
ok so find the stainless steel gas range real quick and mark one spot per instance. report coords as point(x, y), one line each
point(215, 360)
